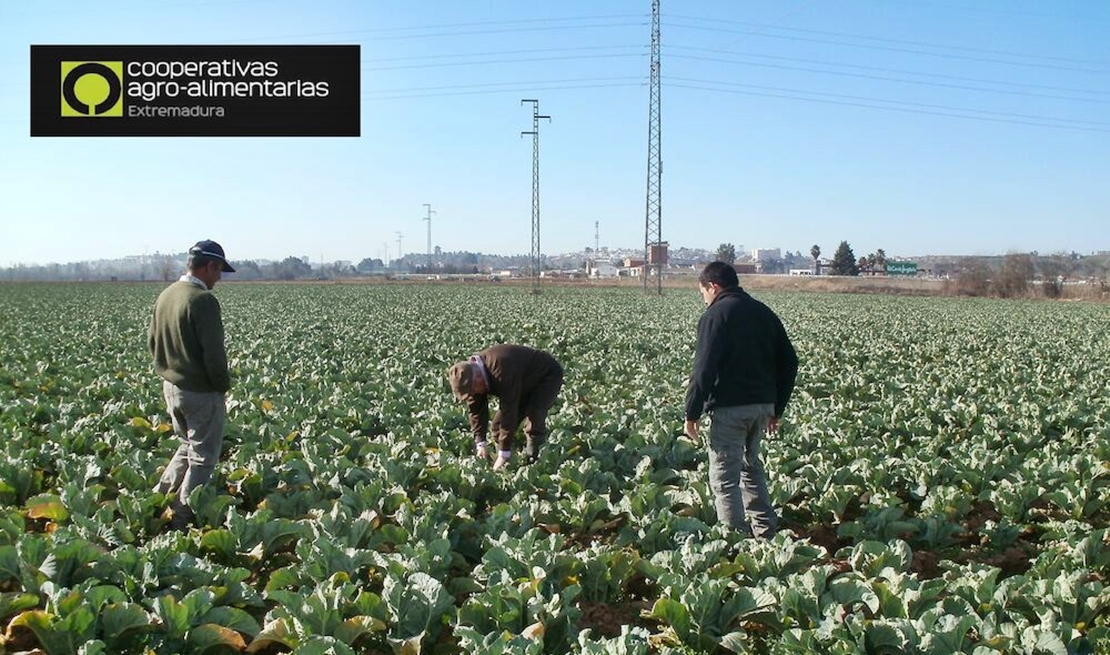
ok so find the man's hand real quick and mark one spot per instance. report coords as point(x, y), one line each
point(500, 463)
point(773, 425)
point(692, 430)
point(483, 451)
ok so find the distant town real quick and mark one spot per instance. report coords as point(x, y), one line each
point(589, 263)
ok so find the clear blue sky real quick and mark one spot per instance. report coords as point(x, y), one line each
point(919, 127)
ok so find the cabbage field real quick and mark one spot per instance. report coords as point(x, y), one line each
point(943, 473)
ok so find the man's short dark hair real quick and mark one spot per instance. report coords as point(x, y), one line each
point(719, 273)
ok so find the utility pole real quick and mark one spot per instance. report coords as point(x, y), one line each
point(653, 221)
point(429, 219)
point(597, 234)
point(385, 254)
point(535, 190)
point(399, 237)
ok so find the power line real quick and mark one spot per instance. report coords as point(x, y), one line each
point(691, 83)
point(880, 39)
point(454, 57)
point(899, 102)
point(499, 61)
point(529, 25)
point(484, 87)
point(902, 50)
point(509, 90)
point(546, 25)
point(994, 10)
point(544, 28)
point(891, 79)
point(906, 110)
point(492, 53)
point(101, 10)
point(772, 57)
point(517, 83)
point(447, 26)
point(894, 70)
point(778, 21)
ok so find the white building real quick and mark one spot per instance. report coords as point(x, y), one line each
point(766, 254)
point(601, 269)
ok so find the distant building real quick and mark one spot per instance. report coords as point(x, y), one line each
point(766, 254)
point(601, 269)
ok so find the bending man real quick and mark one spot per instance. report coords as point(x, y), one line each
point(525, 380)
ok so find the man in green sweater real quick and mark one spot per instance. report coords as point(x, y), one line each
point(186, 341)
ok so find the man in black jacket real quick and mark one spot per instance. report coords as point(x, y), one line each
point(743, 375)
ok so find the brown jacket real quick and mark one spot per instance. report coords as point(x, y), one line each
point(513, 373)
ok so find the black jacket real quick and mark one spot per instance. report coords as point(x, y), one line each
point(743, 357)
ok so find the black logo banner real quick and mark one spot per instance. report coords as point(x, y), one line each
point(132, 90)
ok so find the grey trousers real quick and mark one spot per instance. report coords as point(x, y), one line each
point(198, 421)
point(736, 471)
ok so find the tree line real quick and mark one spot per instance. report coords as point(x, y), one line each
point(844, 261)
point(1009, 276)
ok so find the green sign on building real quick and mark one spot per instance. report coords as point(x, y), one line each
point(901, 268)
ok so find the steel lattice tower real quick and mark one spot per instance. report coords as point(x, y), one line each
point(429, 219)
point(653, 222)
point(535, 262)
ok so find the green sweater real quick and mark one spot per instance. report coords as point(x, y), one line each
point(186, 339)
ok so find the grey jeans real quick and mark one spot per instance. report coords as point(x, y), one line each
point(198, 421)
point(736, 471)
